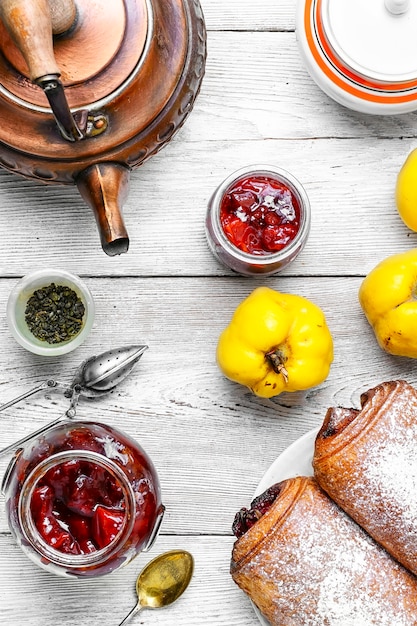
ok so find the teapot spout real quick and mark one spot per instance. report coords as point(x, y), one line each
point(104, 186)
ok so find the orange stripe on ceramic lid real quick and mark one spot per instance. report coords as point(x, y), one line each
point(348, 71)
point(314, 30)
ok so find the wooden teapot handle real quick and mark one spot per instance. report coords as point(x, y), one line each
point(31, 24)
point(63, 15)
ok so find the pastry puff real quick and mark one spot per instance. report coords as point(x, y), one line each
point(306, 563)
point(366, 460)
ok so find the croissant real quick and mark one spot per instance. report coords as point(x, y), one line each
point(304, 562)
point(366, 461)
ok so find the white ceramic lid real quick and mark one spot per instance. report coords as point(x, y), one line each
point(375, 38)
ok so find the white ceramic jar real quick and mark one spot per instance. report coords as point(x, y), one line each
point(363, 54)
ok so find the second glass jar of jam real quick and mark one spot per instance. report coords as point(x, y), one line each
point(258, 220)
point(83, 499)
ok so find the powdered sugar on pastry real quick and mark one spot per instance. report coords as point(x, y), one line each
point(391, 470)
point(370, 469)
point(309, 564)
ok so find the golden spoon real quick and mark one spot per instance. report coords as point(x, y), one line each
point(162, 581)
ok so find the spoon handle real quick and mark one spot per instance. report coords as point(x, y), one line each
point(133, 612)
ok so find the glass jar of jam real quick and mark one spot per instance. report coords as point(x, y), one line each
point(83, 499)
point(258, 220)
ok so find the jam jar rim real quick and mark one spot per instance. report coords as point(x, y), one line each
point(32, 534)
point(295, 187)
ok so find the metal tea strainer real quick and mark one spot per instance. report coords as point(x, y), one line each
point(95, 377)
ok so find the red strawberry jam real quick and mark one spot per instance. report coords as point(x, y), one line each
point(83, 499)
point(260, 215)
point(78, 507)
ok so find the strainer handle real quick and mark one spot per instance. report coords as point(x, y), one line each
point(30, 436)
point(31, 392)
point(69, 413)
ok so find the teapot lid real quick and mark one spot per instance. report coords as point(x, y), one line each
point(364, 54)
point(376, 38)
point(95, 58)
point(124, 61)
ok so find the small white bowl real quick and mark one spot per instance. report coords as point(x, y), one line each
point(16, 307)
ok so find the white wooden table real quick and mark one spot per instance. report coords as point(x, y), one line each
point(211, 440)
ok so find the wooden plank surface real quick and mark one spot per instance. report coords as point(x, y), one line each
point(210, 439)
point(350, 184)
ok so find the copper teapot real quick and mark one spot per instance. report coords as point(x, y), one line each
point(90, 89)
